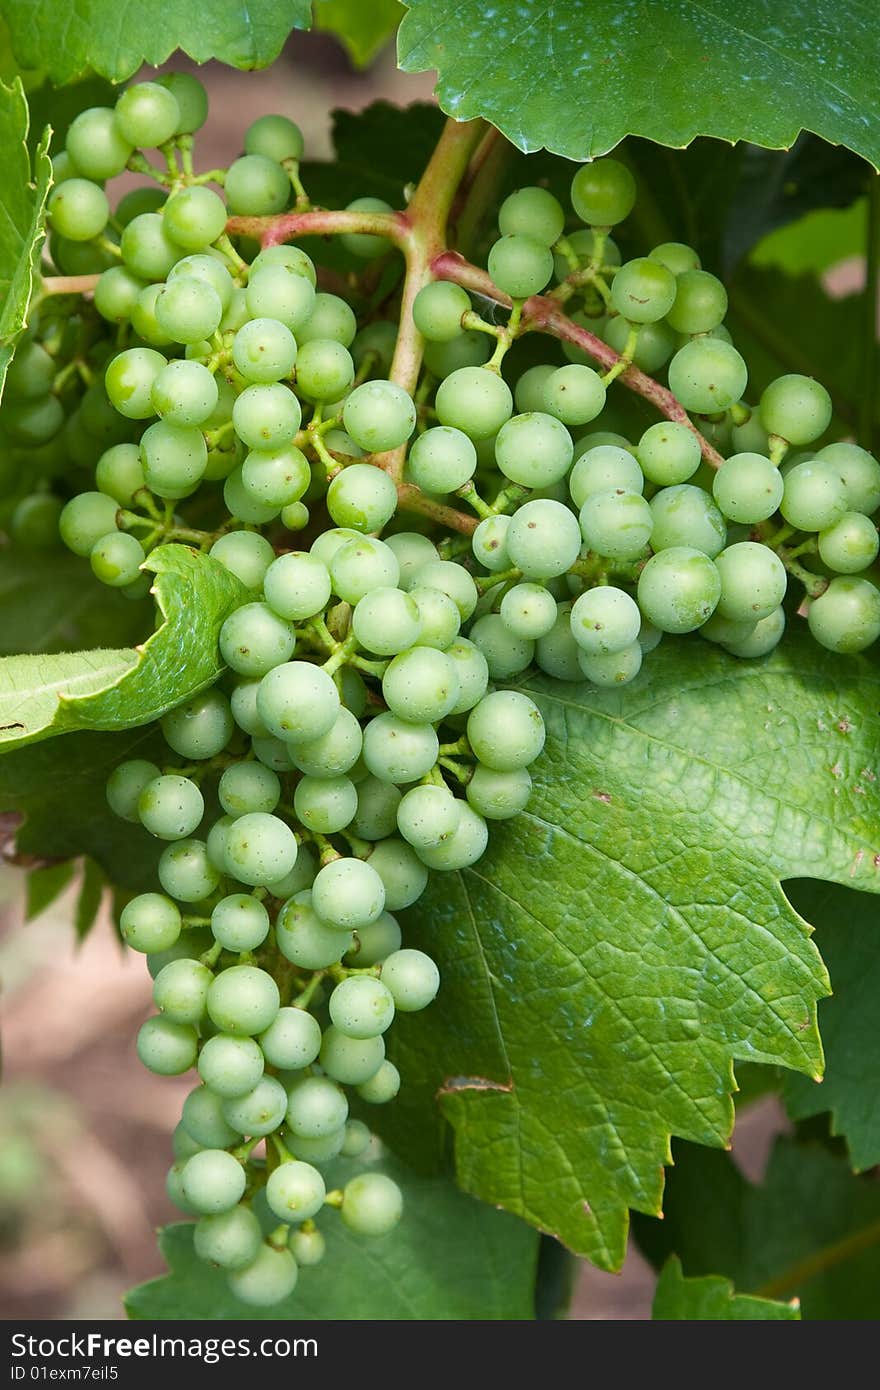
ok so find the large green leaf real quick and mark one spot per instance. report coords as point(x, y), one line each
point(41, 696)
point(627, 936)
point(52, 603)
point(364, 29)
point(101, 36)
point(563, 77)
point(25, 188)
point(53, 806)
point(712, 1299)
point(848, 934)
point(811, 1230)
point(449, 1259)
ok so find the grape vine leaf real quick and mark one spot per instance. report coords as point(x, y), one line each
point(712, 1299)
point(449, 1259)
point(101, 36)
point(91, 891)
point(53, 806)
point(44, 886)
point(627, 936)
point(41, 696)
point(848, 936)
point(815, 242)
point(362, 29)
point(55, 605)
point(25, 189)
point(551, 75)
point(810, 1230)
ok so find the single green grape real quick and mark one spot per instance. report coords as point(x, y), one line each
point(506, 730)
point(372, 1204)
point(506, 654)
point(643, 291)
point(201, 727)
point(365, 245)
point(686, 515)
point(475, 401)
point(499, 795)
point(292, 1041)
point(611, 669)
point(748, 488)
point(382, 1087)
point(260, 1112)
point(411, 978)
point(707, 375)
point(669, 453)
point(796, 408)
point(268, 1280)
point(753, 582)
point(150, 922)
point(243, 1000)
point(437, 310)
point(700, 302)
point(147, 114)
point(846, 618)
point(116, 559)
point(814, 496)
point(679, 589)
point(850, 544)
point(254, 640)
point(305, 939)
point(520, 265)
point(167, 1048)
point(544, 539)
point(603, 192)
point(401, 872)
point(605, 620)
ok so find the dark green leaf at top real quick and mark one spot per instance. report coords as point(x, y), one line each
point(558, 76)
point(363, 28)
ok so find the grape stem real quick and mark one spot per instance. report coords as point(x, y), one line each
point(412, 499)
point(542, 314)
point(68, 284)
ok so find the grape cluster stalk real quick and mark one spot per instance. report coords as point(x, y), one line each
point(418, 523)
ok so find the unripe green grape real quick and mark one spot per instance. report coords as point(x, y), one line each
point(605, 620)
point(246, 554)
point(209, 268)
point(534, 450)
point(668, 453)
point(231, 1239)
point(677, 257)
point(707, 375)
point(557, 652)
point(489, 543)
point(295, 516)
point(506, 653)
point(375, 343)
point(241, 503)
point(386, 621)
point(361, 1007)
point(846, 618)
point(79, 257)
point(814, 496)
point(365, 245)
point(573, 394)
point(170, 807)
point(679, 589)
point(116, 559)
point(191, 98)
point(243, 1000)
point(753, 582)
point(279, 292)
point(260, 1112)
point(267, 1281)
point(293, 257)
point(201, 727)
point(532, 212)
point(860, 472)
point(362, 497)
point(506, 730)
point(700, 303)
point(186, 872)
point(372, 1204)
point(374, 942)
point(412, 979)
point(298, 700)
point(248, 786)
point(256, 186)
point(31, 372)
point(331, 320)
point(275, 477)
point(643, 291)
point(378, 801)
point(351, 1060)
point(347, 894)
point(254, 640)
point(194, 217)
point(325, 804)
point(267, 417)
point(239, 922)
point(295, 1191)
point(34, 422)
point(316, 1107)
point(147, 114)
point(292, 1040)
point(96, 145)
point(382, 1087)
point(428, 815)
point(78, 209)
point(686, 515)
point(475, 401)
point(764, 636)
point(616, 523)
point(325, 546)
point(188, 309)
point(437, 310)
point(498, 795)
point(401, 872)
point(305, 939)
point(129, 381)
point(143, 317)
point(726, 631)
point(213, 1181)
point(202, 1118)
point(362, 565)
point(260, 848)
point(850, 545)
point(167, 1048)
point(174, 1190)
point(264, 350)
point(797, 408)
point(603, 193)
point(184, 393)
point(603, 467)
point(274, 137)
point(441, 460)
point(595, 325)
point(333, 752)
point(528, 611)
point(147, 250)
point(520, 265)
point(472, 670)
point(610, 669)
point(180, 990)
point(63, 168)
point(398, 751)
point(150, 922)
point(544, 539)
point(307, 1247)
point(748, 488)
point(379, 415)
point(301, 876)
point(750, 437)
point(529, 391)
point(420, 685)
point(125, 784)
point(34, 522)
point(439, 615)
point(174, 458)
point(324, 369)
point(468, 349)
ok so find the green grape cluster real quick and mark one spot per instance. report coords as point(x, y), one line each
point(364, 732)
